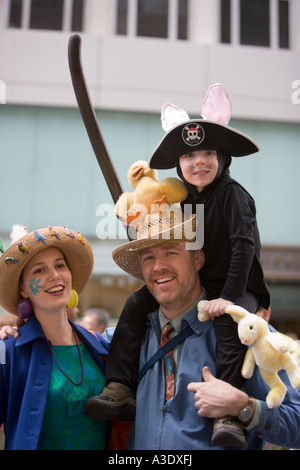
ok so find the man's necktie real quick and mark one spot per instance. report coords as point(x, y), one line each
point(169, 363)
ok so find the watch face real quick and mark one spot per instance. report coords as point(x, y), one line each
point(246, 413)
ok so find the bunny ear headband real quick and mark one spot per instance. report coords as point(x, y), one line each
point(185, 135)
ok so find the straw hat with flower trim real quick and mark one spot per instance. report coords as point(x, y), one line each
point(185, 135)
point(166, 226)
point(75, 248)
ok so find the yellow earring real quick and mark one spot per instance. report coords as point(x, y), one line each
point(73, 299)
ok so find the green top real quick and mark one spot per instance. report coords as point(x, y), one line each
point(66, 425)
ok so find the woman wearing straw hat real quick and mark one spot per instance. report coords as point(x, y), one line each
point(50, 370)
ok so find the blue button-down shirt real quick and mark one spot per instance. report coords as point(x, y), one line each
point(175, 425)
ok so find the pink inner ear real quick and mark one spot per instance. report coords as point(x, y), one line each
point(216, 105)
point(172, 115)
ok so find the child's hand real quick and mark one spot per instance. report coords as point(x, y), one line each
point(215, 308)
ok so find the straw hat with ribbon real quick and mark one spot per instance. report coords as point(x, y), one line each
point(75, 248)
point(165, 226)
point(185, 135)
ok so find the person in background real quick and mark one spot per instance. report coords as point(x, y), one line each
point(95, 319)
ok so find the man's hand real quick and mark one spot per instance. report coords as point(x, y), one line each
point(216, 307)
point(215, 398)
point(11, 330)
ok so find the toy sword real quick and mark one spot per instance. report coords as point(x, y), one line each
point(89, 118)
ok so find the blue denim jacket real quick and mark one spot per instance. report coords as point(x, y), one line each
point(25, 370)
point(175, 425)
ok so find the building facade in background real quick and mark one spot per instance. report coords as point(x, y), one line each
point(137, 55)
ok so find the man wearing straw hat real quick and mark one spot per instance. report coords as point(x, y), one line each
point(178, 393)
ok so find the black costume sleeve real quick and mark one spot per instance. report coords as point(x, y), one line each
point(240, 219)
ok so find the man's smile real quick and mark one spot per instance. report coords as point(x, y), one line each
point(164, 280)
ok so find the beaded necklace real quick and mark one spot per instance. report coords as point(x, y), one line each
point(80, 358)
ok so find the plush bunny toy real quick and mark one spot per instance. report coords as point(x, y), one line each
point(271, 351)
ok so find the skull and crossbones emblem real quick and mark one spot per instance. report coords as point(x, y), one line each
point(193, 134)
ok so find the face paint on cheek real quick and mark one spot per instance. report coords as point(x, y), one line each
point(35, 286)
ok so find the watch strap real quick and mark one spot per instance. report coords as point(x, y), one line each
point(247, 413)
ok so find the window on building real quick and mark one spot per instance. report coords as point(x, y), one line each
point(153, 18)
point(122, 17)
point(77, 15)
point(225, 20)
point(182, 19)
point(255, 22)
point(46, 14)
point(283, 24)
point(15, 13)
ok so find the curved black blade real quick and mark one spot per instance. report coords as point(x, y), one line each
point(90, 120)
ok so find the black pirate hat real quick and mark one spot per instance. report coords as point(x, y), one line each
point(187, 135)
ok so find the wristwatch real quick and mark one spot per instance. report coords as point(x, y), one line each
point(247, 413)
